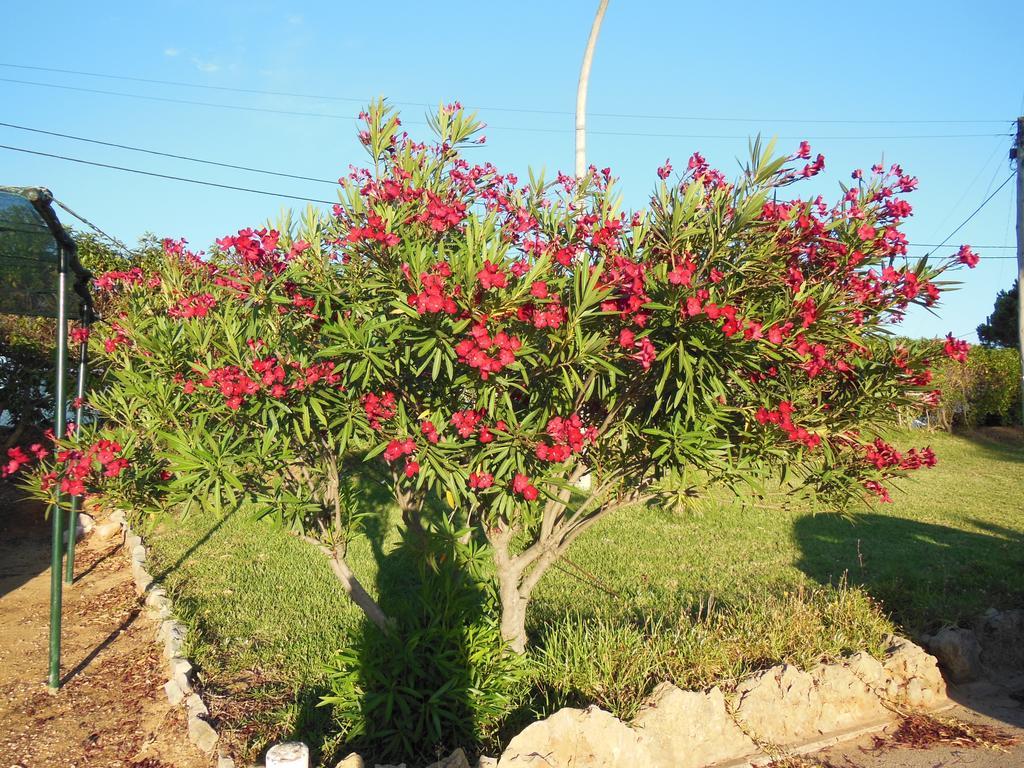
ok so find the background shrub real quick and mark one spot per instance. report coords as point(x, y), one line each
point(985, 391)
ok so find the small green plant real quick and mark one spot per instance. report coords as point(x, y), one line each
point(440, 676)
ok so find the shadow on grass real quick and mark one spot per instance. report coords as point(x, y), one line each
point(996, 443)
point(925, 575)
point(409, 688)
point(193, 548)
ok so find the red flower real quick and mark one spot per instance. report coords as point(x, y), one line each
point(72, 486)
point(879, 490)
point(193, 306)
point(808, 311)
point(435, 296)
point(666, 170)
point(488, 355)
point(539, 289)
point(492, 276)
point(429, 431)
point(966, 256)
point(646, 355)
point(398, 448)
point(955, 348)
point(521, 485)
point(17, 459)
point(442, 216)
point(114, 468)
point(379, 409)
point(682, 273)
point(465, 422)
point(374, 231)
point(411, 468)
point(478, 481)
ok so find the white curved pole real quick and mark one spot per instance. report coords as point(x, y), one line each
point(581, 91)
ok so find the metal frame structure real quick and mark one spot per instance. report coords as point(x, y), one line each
point(68, 266)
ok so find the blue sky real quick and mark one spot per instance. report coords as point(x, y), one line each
point(780, 69)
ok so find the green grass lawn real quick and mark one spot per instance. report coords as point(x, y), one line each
point(950, 545)
point(698, 597)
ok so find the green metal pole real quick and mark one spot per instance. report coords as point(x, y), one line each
point(69, 569)
point(59, 427)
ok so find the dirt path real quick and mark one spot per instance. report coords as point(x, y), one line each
point(111, 711)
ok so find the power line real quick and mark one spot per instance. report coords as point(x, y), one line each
point(999, 146)
point(330, 202)
point(986, 247)
point(526, 129)
point(117, 243)
point(171, 155)
point(168, 176)
point(525, 110)
point(975, 212)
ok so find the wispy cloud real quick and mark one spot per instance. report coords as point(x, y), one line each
point(171, 51)
point(205, 66)
point(295, 19)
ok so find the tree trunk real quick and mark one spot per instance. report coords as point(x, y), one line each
point(513, 611)
point(518, 575)
point(358, 594)
point(353, 588)
point(516, 580)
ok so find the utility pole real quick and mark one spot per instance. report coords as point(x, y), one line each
point(1018, 152)
point(581, 92)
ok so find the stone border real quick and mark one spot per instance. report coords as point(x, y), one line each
point(171, 634)
point(772, 714)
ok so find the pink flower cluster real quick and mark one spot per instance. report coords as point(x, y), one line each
point(469, 422)
point(379, 408)
point(198, 305)
point(374, 231)
point(885, 457)
point(567, 436)
point(398, 448)
point(956, 349)
point(17, 458)
point(486, 353)
point(435, 296)
point(522, 486)
point(79, 465)
point(783, 419)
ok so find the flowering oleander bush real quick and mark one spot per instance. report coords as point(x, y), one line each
point(532, 340)
point(526, 355)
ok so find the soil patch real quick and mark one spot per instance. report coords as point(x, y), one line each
point(111, 711)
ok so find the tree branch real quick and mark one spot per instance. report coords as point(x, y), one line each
point(351, 584)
